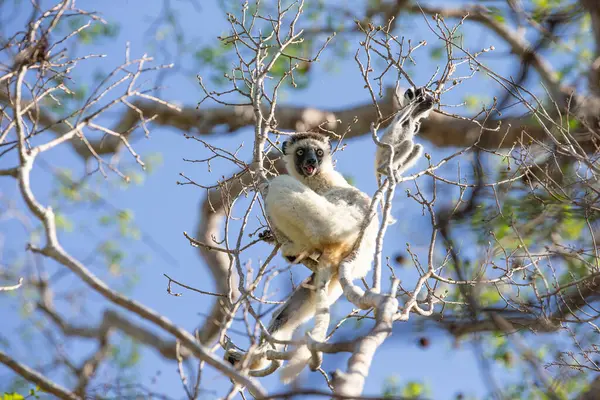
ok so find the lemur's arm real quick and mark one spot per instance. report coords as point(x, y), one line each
point(294, 253)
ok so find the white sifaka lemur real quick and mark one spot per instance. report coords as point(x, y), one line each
point(400, 133)
point(314, 213)
point(317, 217)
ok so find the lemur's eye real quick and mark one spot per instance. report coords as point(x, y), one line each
point(320, 153)
point(299, 152)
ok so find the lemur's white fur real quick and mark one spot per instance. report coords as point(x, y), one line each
point(400, 134)
point(321, 213)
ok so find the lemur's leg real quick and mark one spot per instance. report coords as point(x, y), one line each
point(300, 307)
point(302, 355)
point(292, 252)
point(401, 152)
point(410, 160)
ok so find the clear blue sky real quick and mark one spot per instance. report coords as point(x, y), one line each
point(164, 210)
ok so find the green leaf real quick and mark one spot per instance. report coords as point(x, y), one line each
point(572, 228)
point(62, 222)
point(472, 102)
point(489, 297)
point(152, 161)
point(497, 14)
point(502, 231)
point(573, 123)
point(125, 215)
point(105, 220)
point(436, 52)
point(12, 396)
point(391, 387)
point(413, 389)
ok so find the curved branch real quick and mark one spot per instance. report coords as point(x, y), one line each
point(35, 377)
point(12, 287)
point(569, 299)
point(112, 320)
point(54, 250)
point(439, 129)
point(518, 44)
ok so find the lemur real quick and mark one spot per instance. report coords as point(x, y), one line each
point(317, 216)
point(313, 211)
point(400, 133)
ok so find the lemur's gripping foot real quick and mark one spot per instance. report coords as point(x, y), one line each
point(266, 236)
point(257, 361)
point(232, 357)
point(424, 102)
point(303, 256)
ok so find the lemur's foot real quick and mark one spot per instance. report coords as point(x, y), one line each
point(424, 101)
point(297, 259)
point(266, 236)
point(233, 356)
point(257, 362)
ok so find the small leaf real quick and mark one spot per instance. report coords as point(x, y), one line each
point(413, 389)
point(436, 52)
point(62, 222)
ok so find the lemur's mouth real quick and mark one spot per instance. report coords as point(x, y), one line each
point(309, 169)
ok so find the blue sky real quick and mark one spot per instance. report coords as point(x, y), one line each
point(163, 210)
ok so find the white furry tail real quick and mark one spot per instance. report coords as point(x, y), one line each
point(302, 356)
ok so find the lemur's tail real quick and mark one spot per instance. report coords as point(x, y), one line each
point(328, 290)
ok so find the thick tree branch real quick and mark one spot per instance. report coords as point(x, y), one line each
point(593, 392)
point(518, 44)
point(568, 301)
point(35, 377)
point(112, 320)
point(440, 130)
point(54, 250)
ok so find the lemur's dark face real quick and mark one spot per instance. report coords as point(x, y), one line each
point(307, 154)
point(308, 159)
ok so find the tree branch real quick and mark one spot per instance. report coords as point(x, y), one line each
point(12, 287)
point(35, 377)
point(112, 320)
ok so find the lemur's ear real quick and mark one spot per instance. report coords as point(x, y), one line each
point(409, 94)
point(284, 145)
point(325, 140)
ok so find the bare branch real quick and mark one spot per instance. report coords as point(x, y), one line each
point(32, 376)
point(13, 287)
